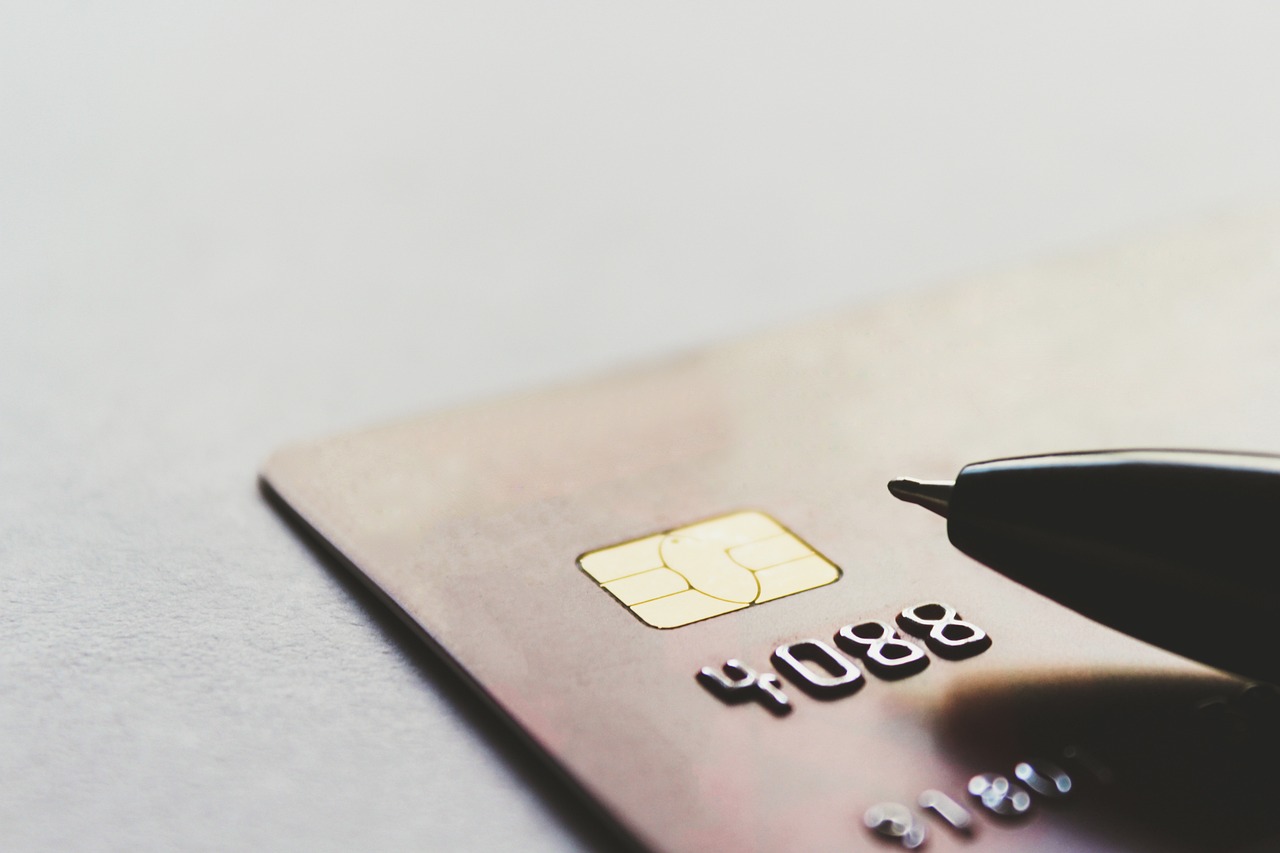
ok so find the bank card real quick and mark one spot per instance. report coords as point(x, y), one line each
point(689, 586)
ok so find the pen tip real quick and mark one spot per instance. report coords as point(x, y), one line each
point(933, 495)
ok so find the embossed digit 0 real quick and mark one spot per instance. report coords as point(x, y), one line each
point(818, 669)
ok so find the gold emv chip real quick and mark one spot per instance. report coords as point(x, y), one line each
point(702, 570)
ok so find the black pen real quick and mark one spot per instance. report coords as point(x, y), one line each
point(1178, 548)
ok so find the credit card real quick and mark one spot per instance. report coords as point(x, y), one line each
point(689, 586)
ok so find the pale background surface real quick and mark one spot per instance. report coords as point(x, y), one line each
point(225, 229)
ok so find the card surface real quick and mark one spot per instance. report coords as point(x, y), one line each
point(690, 587)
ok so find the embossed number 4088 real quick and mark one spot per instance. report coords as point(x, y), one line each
point(823, 672)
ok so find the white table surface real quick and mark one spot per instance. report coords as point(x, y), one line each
point(224, 227)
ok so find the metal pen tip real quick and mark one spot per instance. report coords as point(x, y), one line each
point(933, 495)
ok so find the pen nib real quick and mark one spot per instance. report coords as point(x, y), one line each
point(933, 495)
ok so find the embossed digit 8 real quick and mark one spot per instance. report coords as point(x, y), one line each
point(1000, 796)
point(887, 655)
point(946, 634)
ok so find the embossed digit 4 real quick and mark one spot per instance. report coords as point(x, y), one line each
point(741, 683)
point(886, 654)
point(942, 629)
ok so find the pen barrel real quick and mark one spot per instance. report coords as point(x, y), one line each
point(1177, 548)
